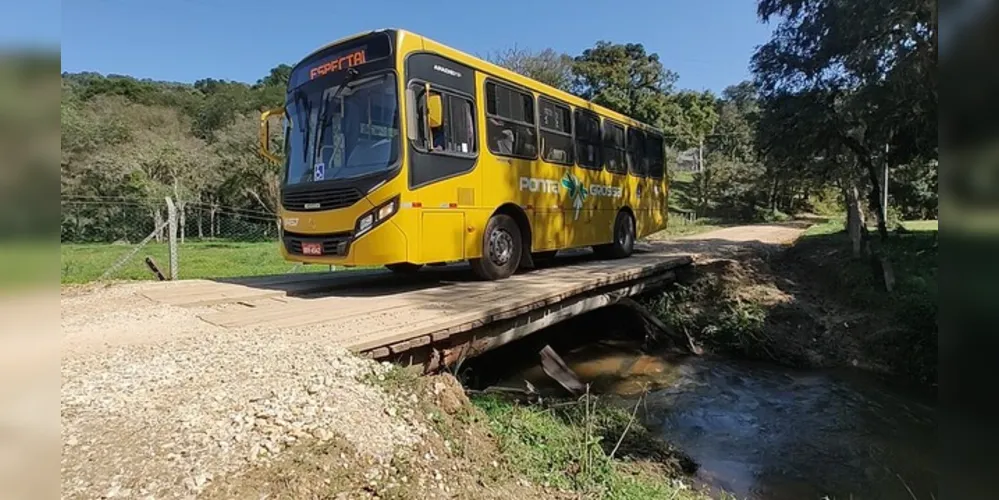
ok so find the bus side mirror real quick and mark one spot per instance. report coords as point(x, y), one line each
point(435, 110)
point(412, 116)
point(265, 133)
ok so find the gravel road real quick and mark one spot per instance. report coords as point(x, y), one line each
point(157, 403)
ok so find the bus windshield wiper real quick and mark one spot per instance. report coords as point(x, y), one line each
point(324, 116)
point(303, 106)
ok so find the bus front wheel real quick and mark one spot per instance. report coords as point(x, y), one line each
point(501, 249)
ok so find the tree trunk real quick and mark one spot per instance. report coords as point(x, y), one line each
point(211, 220)
point(854, 217)
point(863, 155)
point(158, 224)
point(79, 226)
point(887, 272)
point(201, 230)
point(773, 194)
point(876, 207)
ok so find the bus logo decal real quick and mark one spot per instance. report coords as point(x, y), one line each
point(577, 191)
point(607, 191)
point(319, 172)
point(447, 71)
point(538, 185)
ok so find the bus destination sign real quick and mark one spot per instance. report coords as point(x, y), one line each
point(338, 63)
point(337, 60)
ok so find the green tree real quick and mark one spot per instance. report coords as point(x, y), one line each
point(277, 77)
point(546, 66)
point(875, 63)
point(862, 74)
point(623, 77)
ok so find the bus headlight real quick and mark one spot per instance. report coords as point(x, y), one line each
point(366, 223)
point(387, 210)
point(376, 216)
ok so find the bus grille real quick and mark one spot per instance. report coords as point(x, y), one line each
point(320, 199)
point(334, 244)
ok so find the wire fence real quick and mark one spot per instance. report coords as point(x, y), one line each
point(120, 220)
point(113, 238)
point(116, 238)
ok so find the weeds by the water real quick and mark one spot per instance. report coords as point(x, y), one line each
point(817, 305)
point(572, 447)
point(712, 311)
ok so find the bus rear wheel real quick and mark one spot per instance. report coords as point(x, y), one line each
point(404, 267)
point(501, 249)
point(624, 238)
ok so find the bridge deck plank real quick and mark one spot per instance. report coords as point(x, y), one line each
point(364, 311)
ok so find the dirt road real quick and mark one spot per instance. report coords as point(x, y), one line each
point(157, 403)
point(725, 242)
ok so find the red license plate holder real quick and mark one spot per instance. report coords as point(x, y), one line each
point(312, 248)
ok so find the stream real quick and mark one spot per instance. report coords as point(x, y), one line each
point(762, 431)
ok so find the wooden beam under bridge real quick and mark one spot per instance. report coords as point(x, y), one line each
point(431, 356)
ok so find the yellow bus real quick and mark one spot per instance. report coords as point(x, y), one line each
point(402, 152)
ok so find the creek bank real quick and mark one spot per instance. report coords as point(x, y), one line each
point(813, 306)
point(486, 446)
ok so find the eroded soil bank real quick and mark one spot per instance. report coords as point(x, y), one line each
point(814, 305)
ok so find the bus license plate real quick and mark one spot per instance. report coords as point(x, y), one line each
point(312, 248)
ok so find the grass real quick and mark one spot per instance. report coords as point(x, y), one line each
point(908, 343)
point(568, 447)
point(680, 186)
point(921, 225)
point(83, 263)
point(835, 225)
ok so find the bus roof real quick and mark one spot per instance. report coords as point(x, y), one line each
point(498, 71)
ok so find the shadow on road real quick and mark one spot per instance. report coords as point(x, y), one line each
point(723, 243)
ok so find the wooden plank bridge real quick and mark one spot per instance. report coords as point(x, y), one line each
point(434, 317)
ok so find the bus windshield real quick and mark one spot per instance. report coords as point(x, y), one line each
point(338, 133)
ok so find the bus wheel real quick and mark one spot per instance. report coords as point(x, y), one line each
point(404, 267)
point(501, 249)
point(624, 238)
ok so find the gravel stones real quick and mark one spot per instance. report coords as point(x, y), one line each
point(162, 415)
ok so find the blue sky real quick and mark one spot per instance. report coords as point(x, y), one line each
point(708, 42)
point(30, 23)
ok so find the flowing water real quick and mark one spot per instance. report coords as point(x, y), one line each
point(768, 432)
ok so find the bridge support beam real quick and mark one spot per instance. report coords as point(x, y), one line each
point(457, 348)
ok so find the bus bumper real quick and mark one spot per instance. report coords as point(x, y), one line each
point(385, 244)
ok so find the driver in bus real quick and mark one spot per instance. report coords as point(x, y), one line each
point(439, 142)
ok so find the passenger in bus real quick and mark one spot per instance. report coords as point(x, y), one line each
point(438, 140)
point(530, 143)
point(505, 143)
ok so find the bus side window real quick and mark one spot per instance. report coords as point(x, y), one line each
point(461, 138)
point(637, 160)
point(446, 122)
point(655, 155)
point(510, 121)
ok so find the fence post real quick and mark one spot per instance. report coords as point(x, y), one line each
point(172, 222)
